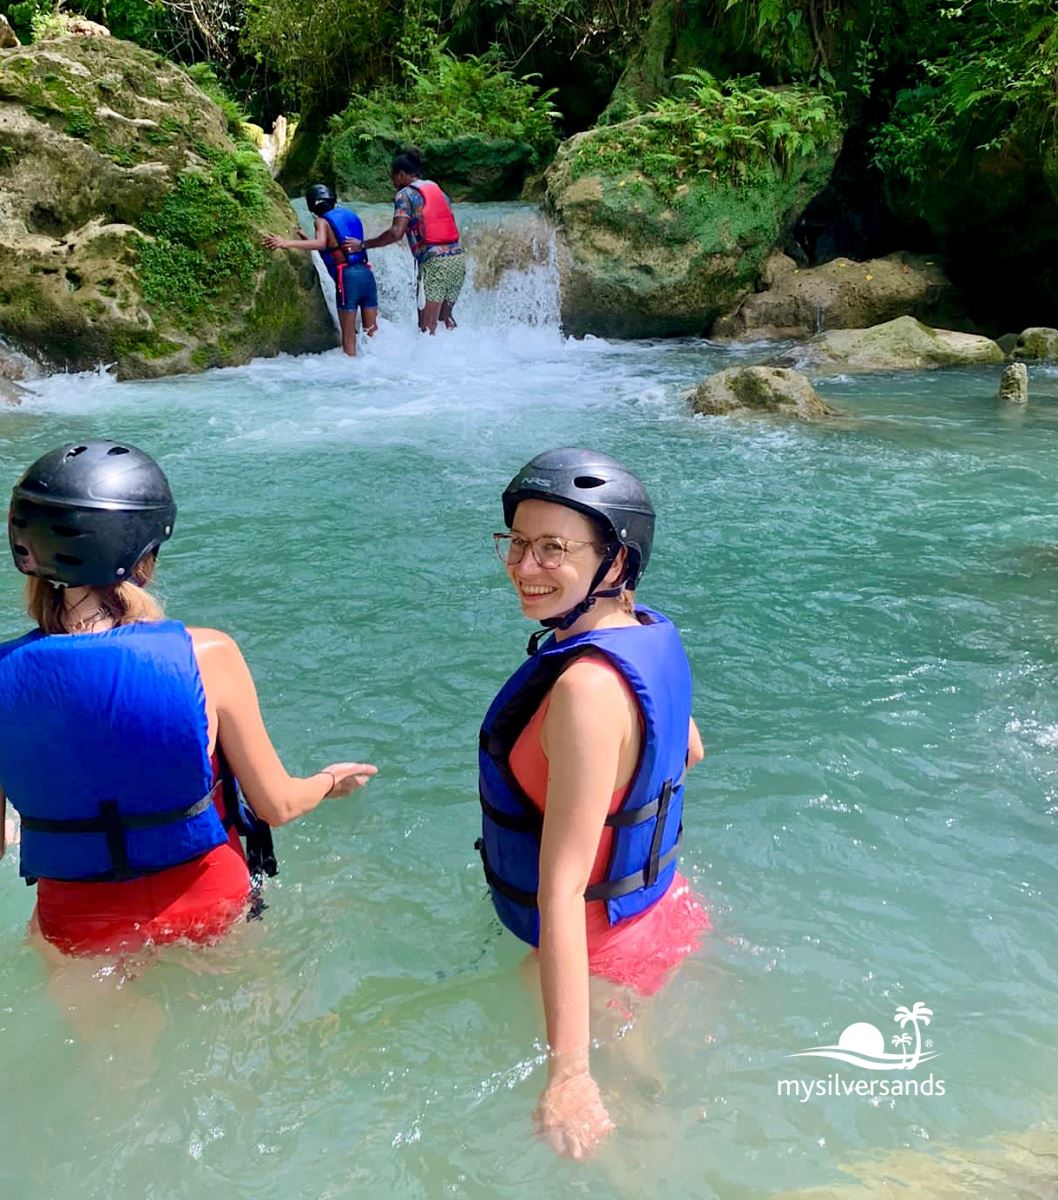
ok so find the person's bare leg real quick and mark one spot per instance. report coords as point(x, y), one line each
point(446, 315)
point(428, 316)
point(369, 320)
point(347, 323)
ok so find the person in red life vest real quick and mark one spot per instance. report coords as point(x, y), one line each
point(354, 281)
point(423, 213)
point(582, 761)
point(123, 733)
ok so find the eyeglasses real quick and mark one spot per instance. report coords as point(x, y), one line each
point(550, 552)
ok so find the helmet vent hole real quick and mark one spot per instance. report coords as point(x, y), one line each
point(73, 452)
point(21, 550)
point(117, 450)
point(19, 522)
point(588, 481)
point(68, 560)
point(65, 531)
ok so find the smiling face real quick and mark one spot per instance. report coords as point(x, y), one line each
point(545, 592)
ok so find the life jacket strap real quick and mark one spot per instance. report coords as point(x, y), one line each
point(110, 818)
point(616, 888)
point(525, 899)
point(527, 822)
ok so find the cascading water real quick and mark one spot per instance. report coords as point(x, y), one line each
point(512, 272)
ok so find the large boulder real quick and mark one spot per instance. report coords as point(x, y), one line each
point(649, 254)
point(130, 220)
point(757, 390)
point(840, 294)
point(1039, 342)
point(901, 345)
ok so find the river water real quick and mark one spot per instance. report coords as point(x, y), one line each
point(871, 610)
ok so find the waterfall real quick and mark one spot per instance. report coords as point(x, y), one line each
point(512, 271)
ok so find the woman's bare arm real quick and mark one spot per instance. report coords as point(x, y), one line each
point(275, 796)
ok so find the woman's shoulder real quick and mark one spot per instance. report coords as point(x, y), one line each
point(214, 642)
point(591, 678)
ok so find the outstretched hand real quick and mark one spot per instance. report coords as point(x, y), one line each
point(348, 777)
point(272, 241)
point(352, 245)
point(571, 1116)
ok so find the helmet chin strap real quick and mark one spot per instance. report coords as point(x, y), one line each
point(578, 610)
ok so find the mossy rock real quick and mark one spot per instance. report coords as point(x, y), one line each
point(901, 345)
point(468, 167)
point(130, 220)
point(759, 391)
point(639, 260)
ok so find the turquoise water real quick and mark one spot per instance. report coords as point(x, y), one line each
point(871, 610)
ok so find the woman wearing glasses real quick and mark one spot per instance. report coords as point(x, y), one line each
point(582, 761)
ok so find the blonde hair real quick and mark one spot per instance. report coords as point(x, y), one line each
point(121, 603)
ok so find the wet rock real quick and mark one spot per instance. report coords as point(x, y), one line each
point(841, 294)
point(757, 390)
point(11, 393)
point(131, 218)
point(1014, 384)
point(1007, 342)
point(639, 261)
point(1039, 343)
point(8, 37)
point(901, 345)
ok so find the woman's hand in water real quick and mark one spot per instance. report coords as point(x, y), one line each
point(348, 777)
point(571, 1116)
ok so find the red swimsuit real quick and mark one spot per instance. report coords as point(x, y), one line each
point(197, 901)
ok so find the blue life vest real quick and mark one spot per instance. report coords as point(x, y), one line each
point(648, 825)
point(345, 224)
point(104, 752)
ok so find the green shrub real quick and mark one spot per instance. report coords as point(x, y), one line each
point(729, 130)
point(447, 97)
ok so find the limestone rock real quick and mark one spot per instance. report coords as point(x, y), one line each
point(1014, 384)
point(8, 37)
point(130, 220)
point(635, 261)
point(759, 390)
point(840, 294)
point(901, 345)
point(1039, 343)
point(11, 393)
point(82, 27)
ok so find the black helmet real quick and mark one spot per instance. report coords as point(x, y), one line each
point(320, 198)
point(598, 486)
point(85, 514)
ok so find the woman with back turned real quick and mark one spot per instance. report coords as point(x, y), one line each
point(121, 732)
point(582, 761)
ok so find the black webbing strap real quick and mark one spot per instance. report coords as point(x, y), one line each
point(617, 888)
point(624, 818)
point(527, 822)
point(110, 818)
point(525, 899)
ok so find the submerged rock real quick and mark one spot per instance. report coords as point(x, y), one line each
point(841, 294)
point(1039, 343)
point(637, 260)
point(1014, 384)
point(130, 220)
point(901, 345)
point(759, 390)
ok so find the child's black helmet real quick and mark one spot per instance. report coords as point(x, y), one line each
point(320, 198)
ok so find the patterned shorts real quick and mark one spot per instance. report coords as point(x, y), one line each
point(443, 276)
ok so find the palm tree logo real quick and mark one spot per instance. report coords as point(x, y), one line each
point(917, 1014)
point(903, 1040)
